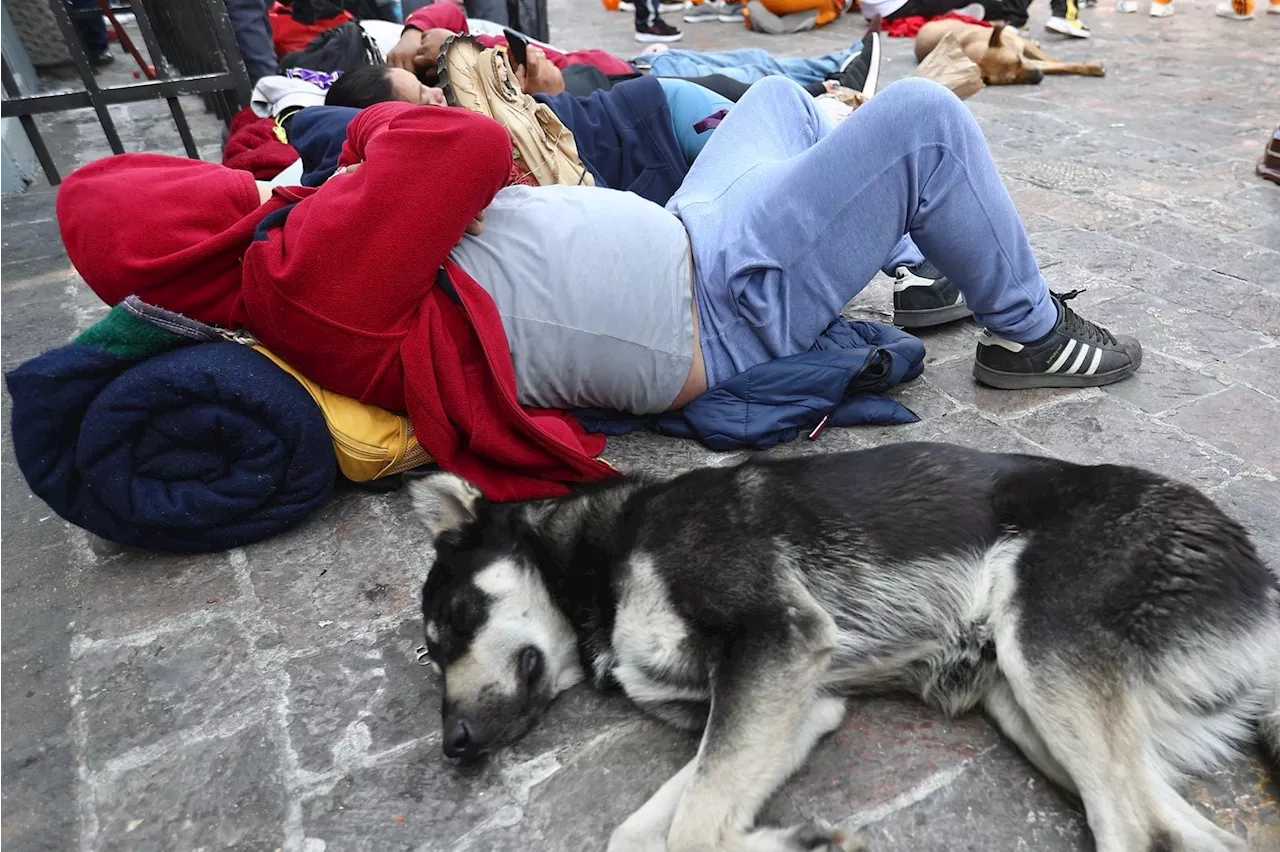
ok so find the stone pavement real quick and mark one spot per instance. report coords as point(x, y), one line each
point(268, 699)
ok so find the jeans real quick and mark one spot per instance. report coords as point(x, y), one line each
point(92, 30)
point(790, 218)
point(747, 65)
point(253, 34)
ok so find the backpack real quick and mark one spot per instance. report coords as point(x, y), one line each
point(339, 49)
point(481, 80)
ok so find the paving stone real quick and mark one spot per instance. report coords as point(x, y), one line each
point(1103, 430)
point(1163, 384)
point(995, 804)
point(360, 698)
point(1259, 370)
point(1255, 503)
point(1193, 337)
point(212, 794)
point(361, 557)
point(1239, 421)
point(1197, 245)
point(140, 695)
point(132, 590)
point(956, 379)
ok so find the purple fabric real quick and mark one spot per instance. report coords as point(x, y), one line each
point(323, 79)
point(711, 122)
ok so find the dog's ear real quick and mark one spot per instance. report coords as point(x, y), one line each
point(996, 32)
point(443, 501)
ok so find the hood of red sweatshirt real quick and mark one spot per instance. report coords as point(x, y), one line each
point(170, 230)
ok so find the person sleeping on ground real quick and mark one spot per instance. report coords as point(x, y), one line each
point(460, 298)
point(427, 29)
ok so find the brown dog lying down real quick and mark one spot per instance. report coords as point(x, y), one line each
point(1001, 54)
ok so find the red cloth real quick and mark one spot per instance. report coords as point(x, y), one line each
point(289, 35)
point(446, 15)
point(909, 27)
point(353, 287)
point(254, 147)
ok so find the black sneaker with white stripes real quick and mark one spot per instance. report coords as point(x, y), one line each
point(924, 297)
point(1076, 354)
point(861, 71)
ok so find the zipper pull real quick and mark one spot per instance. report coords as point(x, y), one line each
point(239, 335)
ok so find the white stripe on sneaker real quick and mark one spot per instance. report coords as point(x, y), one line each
point(1062, 359)
point(1084, 353)
point(1097, 359)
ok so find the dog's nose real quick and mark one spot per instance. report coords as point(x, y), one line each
point(1034, 76)
point(458, 740)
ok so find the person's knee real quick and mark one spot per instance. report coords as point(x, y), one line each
point(921, 105)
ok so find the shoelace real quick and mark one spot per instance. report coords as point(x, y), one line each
point(1078, 326)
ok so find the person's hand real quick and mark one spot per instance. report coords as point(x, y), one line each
point(476, 227)
point(428, 55)
point(539, 76)
point(406, 49)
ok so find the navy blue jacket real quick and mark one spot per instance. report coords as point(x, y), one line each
point(625, 137)
point(842, 378)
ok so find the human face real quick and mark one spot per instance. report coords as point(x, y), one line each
point(406, 87)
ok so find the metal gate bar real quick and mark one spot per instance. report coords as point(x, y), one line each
point(232, 78)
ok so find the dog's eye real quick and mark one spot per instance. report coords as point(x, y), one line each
point(530, 663)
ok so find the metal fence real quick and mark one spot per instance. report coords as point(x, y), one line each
point(192, 50)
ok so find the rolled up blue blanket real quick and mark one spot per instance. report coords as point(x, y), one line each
point(145, 438)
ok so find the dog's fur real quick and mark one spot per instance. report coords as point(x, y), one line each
point(1117, 626)
point(1001, 54)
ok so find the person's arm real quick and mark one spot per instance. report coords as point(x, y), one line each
point(441, 15)
point(368, 243)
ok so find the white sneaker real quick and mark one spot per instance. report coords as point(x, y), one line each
point(1160, 10)
point(1072, 29)
point(1273, 8)
point(1127, 7)
point(973, 10)
point(710, 10)
point(1228, 11)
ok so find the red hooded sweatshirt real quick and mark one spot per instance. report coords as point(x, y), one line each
point(350, 283)
point(446, 15)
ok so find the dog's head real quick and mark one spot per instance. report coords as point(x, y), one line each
point(492, 629)
point(1002, 63)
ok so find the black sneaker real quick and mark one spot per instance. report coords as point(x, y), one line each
point(924, 297)
point(658, 31)
point(861, 71)
point(1076, 354)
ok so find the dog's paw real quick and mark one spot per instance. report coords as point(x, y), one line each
point(812, 836)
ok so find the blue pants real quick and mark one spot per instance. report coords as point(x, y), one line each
point(93, 30)
point(689, 104)
point(789, 218)
point(253, 35)
point(747, 65)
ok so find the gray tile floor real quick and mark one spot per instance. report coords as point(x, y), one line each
point(267, 698)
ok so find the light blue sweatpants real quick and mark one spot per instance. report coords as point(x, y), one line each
point(790, 218)
point(747, 65)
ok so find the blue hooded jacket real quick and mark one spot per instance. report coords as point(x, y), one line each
point(625, 137)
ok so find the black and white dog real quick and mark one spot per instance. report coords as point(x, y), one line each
point(1116, 625)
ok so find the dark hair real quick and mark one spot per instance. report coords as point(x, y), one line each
point(361, 87)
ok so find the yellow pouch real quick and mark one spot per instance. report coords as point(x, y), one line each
point(370, 442)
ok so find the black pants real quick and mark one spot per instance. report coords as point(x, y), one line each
point(1069, 9)
point(1012, 12)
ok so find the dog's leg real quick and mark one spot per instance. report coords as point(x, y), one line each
point(1033, 50)
point(646, 830)
point(1083, 69)
point(1093, 725)
point(764, 688)
point(1004, 710)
